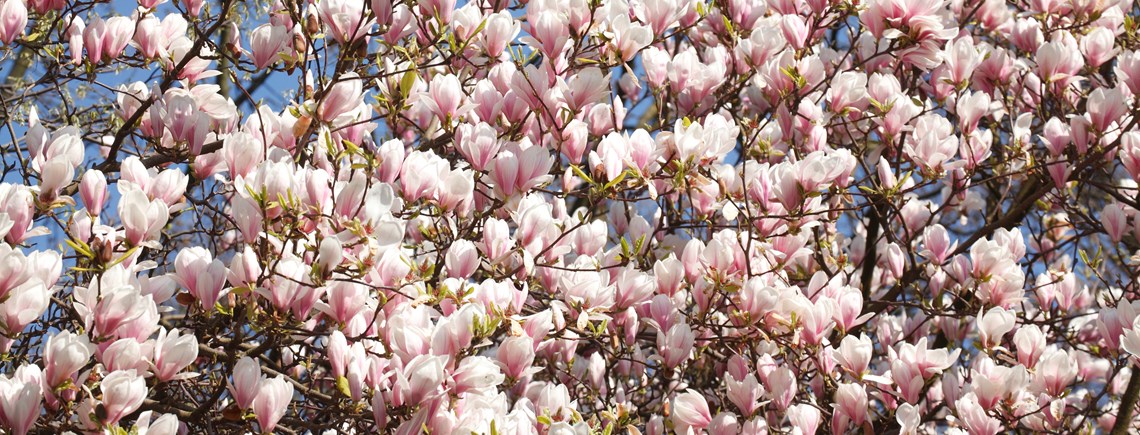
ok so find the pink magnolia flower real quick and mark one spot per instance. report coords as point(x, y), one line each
point(675, 344)
point(1058, 62)
point(1128, 69)
point(164, 424)
point(266, 43)
point(246, 383)
point(499, 31)
point(444, 96)
point(1115, 221)
point(330, 253)
point(1106, 107)
point(690, 410)
point(478, 143)
point(974, 418)
point(928, 362)
point(272, 401)
point(850, 407)
point(628, 38)
point(854, 354)
point(745, 393)
point(781, 386)
point(105, 40)
point(995, 383)
point(475, 374)
point(346, 300)
point(420, 379)
point(23, 306)
point(64, 354)
point(13, 20)
point(462, 259)
point(994, 324)
point(341, 97)
point(127, 354)
point(123, 393)
point(345, 19)
point(172, 353)
point(1030, 343)
point(516, 356)
point(805, 417)
point(1097, 46)
point(93, 189)
point(201, 274)
point(1055, 372)
point(21, 399)
point(143, 219)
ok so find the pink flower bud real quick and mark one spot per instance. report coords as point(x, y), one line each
point(193, 6)
point(93, 190)
point(336, 350)
point(896, 260)
point(105, 40)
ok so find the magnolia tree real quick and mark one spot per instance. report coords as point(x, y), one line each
point(583, 216)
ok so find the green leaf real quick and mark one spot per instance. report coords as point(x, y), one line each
point(407, 81)
point(80, 248)
point(616, 180)
point(124, 257)
point(578, 171)
point(342, 386)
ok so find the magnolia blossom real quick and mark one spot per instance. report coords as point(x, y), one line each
point(555, 217)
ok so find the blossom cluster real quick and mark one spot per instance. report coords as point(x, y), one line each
point(569, 217)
